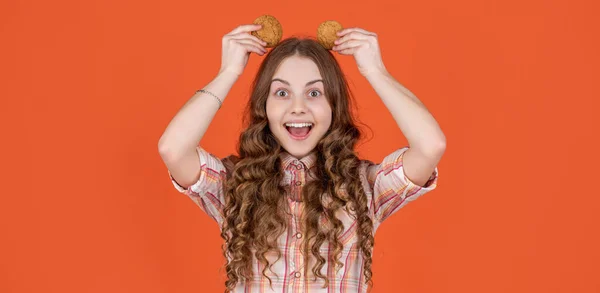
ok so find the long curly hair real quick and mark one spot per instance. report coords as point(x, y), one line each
point(255, 201)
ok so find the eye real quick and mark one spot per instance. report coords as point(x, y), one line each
point(281, 93)
point(314, 93)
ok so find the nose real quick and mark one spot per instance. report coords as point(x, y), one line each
point(298, 105)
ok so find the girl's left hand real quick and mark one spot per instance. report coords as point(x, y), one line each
point(364, 46)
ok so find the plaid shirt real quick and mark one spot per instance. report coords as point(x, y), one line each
point(387, 188)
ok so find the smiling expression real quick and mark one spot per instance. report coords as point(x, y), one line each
point(298, 111)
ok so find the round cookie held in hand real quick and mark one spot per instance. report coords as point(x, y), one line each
point(327, 33)
point(271, 31)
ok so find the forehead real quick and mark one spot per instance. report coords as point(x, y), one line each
point(297, 69)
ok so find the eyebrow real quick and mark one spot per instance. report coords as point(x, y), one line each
point(307, 84)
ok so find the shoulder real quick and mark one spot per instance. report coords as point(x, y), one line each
point(371, 169)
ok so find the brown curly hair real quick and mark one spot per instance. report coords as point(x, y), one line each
point(254, 198)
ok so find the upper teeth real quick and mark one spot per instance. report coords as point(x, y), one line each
point(298, 124)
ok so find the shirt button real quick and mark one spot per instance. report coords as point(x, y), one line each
point(298, 183)
point(298, 235)
point(297, 274)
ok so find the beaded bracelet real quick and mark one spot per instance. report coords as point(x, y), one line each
point(207, 92)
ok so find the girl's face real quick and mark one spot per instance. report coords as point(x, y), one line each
point(299, 114)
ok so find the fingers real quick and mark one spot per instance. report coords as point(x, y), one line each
point(355, 29)
point(244, 36)
point(248, 44)
point(246, 28)
point(348, 45)
point(255, 49)
point(251, 44)
point(352, 36)
point(349, 51)
point(241, 37)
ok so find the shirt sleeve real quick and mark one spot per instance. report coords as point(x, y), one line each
point(391, 189)
point(207, 192)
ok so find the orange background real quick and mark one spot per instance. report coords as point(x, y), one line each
point(88, 87)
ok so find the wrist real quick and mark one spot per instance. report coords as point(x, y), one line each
point(375, 73)
point(222, 83)
point(228, 74)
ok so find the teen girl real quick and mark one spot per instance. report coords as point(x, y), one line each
point(297, 208)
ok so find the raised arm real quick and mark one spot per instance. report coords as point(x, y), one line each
point(177, 145)
point(426, 139)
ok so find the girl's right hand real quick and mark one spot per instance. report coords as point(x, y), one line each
point(237, 46)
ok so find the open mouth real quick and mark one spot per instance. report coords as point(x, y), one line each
point(299, 130)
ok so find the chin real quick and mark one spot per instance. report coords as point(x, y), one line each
point(297, 153)
point(297, 149)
